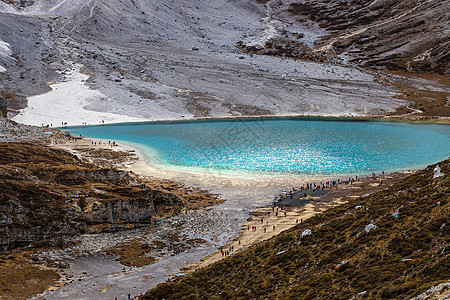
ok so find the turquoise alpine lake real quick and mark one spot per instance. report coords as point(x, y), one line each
point(282, 146)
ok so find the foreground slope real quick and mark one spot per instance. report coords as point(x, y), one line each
point(392, 244)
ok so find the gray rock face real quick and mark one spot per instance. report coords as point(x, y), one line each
point(3, 106)
point(21, 3)
point(96, 217)
point(154, 60)
point(11, 131)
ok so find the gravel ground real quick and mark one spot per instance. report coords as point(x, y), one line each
point(11, 131)
point(94, 274)
point(164, 60)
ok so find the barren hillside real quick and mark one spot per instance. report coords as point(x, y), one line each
point(409, 35)
point(186, 59)
point(47, 195)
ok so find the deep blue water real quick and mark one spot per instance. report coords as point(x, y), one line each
point(284, 146)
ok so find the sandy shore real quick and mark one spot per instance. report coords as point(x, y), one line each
point(91, 268)
point(265, 221)
point(255, 230)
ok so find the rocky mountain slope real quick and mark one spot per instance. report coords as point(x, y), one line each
point(410, 35)
point(47, 195)
point(392, 244)
point(174, 60)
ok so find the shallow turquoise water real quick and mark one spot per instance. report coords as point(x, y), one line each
point(284, 146)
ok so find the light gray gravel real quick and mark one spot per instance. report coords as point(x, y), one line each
point(178, 59)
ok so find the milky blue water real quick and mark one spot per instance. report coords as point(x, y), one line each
point(283, 146)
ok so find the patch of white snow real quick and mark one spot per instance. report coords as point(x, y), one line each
point(5, 52)
point(66, 102)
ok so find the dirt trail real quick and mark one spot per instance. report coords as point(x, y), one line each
point(273, 223)
point(290, 216)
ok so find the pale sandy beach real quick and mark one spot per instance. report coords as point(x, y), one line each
point(253, 196)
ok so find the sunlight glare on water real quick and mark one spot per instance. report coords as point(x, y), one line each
point(284, 146)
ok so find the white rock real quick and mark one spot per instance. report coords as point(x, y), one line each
point(437, 172)
point(369, 227)
point(306, 232)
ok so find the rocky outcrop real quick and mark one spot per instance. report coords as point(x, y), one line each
point(20, 3)
point(48, 194)
point(408, 35)
point(22, 225)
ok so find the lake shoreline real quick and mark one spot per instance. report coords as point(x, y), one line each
point(294, 214)
point(382, 118)
point(276, 222)
point(237, 217)
point(278, 149)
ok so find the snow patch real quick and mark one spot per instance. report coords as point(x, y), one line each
point(5, 52)
point(5, 48)
point(66, 102)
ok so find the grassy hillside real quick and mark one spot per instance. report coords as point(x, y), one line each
point(359, 248)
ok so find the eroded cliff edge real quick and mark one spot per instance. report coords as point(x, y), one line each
point(48, 194)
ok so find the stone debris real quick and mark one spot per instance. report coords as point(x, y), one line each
point(11, 131)
point(369, 227)
point(306, 232)
point(438, 292)
point(437, 172)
